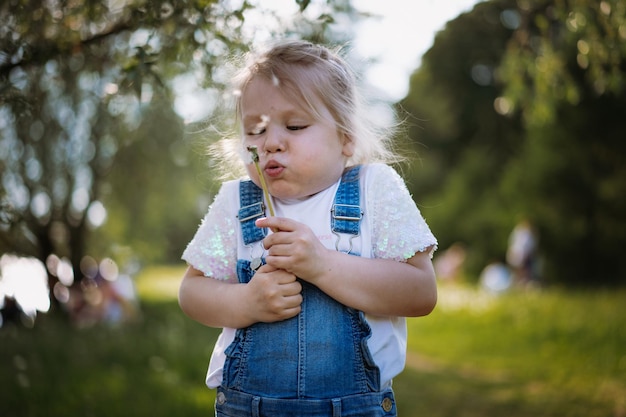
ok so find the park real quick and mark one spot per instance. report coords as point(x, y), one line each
point(514, 116)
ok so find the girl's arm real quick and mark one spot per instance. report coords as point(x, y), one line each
point(374, 286)
point(380, 286)
point(271, 295)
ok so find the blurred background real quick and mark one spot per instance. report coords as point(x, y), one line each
point(513, 115)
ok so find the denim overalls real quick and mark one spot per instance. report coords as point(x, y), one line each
point(314, 364)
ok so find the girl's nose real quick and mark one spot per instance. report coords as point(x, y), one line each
point(274, 141)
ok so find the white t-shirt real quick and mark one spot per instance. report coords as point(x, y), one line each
point(392, 227)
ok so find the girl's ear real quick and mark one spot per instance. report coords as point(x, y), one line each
point(348, 145)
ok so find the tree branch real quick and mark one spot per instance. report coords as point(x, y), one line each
point(47, 50)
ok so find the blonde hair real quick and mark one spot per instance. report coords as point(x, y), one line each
point(315, 74)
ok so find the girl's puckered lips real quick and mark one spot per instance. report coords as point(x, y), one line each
point(273, 169)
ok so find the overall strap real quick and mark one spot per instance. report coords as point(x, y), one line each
point(251, 208)
point(346, 213)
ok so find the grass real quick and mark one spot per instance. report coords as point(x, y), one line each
point(542, 353)
point(538, 353)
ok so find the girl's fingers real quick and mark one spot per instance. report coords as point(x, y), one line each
point(281, 224)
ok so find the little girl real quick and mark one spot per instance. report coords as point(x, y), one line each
point(311, 299)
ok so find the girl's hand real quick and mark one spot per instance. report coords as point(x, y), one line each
point(293, 247)
point(273, 295)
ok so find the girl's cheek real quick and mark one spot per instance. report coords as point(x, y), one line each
point(254, 176)
point(251, 170)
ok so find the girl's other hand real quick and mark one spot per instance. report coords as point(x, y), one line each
point(273, 295)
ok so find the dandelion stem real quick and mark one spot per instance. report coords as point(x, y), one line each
point(255, 159)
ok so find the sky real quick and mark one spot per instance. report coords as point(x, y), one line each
point(397, 40)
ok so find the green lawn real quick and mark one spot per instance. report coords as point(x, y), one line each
point(548, 353)
point(533, 354)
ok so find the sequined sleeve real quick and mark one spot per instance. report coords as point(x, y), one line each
point(213, 249)
point(399, 231)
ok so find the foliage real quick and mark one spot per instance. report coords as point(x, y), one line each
point(529, 97)
point(546, 353)
point(563, 52)
point(464, 144)
point(565, 71)
point(92, 100)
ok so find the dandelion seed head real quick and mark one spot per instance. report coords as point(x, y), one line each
point(253, 154)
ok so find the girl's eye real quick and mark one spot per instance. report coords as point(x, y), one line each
point(259, 128)
point(256, 131)
point(296, 127)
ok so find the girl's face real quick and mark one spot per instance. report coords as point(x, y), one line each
point(299, 154)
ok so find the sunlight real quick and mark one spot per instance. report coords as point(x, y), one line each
point(26, 281)
point(466, 298)
point(96, 214)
